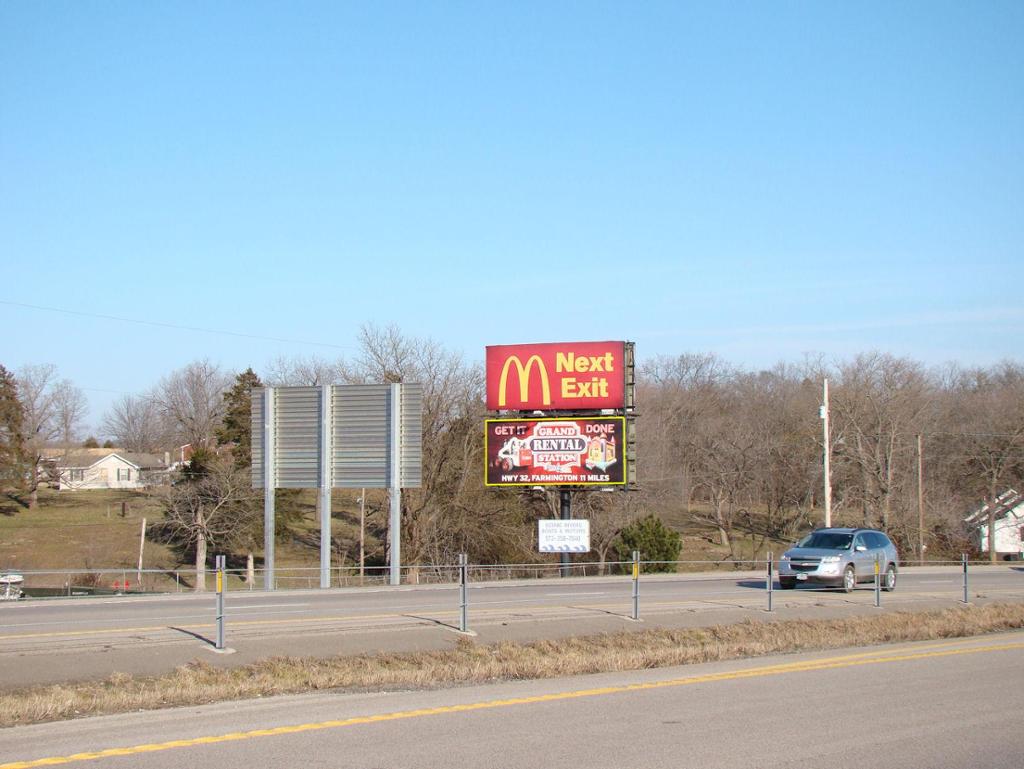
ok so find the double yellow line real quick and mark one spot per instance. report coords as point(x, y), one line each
point(851, 660)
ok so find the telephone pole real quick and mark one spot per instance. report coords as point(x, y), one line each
point(920, 497)
point(827, 455)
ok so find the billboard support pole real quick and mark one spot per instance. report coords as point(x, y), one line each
point(395, 522)
point(565, 513)
point(269, 486)
point(326, 422)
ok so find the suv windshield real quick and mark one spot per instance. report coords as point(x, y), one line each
point(827, 540)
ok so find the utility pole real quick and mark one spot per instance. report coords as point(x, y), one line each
point(142, 545)
point(395, 518)
point(920, 497)
point(362, 535)
point(827, 455)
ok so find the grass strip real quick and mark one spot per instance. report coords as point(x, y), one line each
point(199, 683)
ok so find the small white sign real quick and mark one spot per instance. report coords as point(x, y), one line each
point(557, 536)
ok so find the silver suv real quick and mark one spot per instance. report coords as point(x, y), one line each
point(840, 557)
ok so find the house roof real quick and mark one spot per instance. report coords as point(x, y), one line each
point(82, 458)
point(145, 461)
point(1006, 502)
point(60, 454)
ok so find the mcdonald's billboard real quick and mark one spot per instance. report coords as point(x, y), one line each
point(581, 451)
point(563, 376)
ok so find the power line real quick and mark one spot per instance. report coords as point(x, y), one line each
point(174, 326)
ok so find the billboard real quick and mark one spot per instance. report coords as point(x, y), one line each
point(563, 376)
point(340, 436)
point(558, 536)
point(555, 452)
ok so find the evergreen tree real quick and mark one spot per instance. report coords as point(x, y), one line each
point(236, 426)
point(12, 437)
point(655, 541)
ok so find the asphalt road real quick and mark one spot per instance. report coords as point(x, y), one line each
point(72, 639)
point(940, 705)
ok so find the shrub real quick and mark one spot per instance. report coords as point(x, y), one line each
point(654, 540)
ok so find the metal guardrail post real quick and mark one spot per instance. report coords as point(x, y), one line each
point(769, 582)
point(963, 558)
point(463, 592)
point(636, 585)
point(878, 582)
point(220, 602)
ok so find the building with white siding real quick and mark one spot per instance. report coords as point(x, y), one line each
point(1009, 512)
point(81, 469)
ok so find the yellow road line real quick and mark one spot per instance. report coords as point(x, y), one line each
point(830, 663)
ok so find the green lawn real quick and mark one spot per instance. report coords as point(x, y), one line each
point(78, 530)
point(99, 529)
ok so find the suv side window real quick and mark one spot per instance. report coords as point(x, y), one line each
point(861, 540)
point(880, 540)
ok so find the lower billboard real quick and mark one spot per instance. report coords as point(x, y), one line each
point(555, 452)
point(558, 536)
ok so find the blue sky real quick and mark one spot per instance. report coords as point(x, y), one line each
point(759, 180)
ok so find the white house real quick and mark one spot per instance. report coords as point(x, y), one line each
point(1009, 512)
point(105, 469)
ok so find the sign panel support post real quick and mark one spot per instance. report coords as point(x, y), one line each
point(963, 559)
point(269, 488)
point(395, 522)
point(463, 598)
point(220, 562)
point(326, 484)
point(565, 510)
point(636, 585)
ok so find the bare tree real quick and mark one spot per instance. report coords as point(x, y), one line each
point(608, 514)
point(135, 423)
point(35, 386)
point(69, 410)
point(302, 371)
point(880, 404)
point(191, 399)
point(678, 394)
point(453, 411)
point(986, 419)
point(218, 508)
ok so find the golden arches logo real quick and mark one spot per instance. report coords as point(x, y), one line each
point(524, 378)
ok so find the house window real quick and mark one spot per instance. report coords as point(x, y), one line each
point(77, 475)
point(124, 475)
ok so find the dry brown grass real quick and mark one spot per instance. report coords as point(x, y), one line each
point(199, 683)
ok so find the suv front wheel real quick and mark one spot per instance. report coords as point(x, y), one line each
point(889, 580)
point(849, 580)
